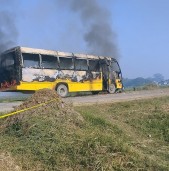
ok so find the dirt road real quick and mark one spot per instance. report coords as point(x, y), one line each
point(102, 98)
point(112, 98)
point(4, 107)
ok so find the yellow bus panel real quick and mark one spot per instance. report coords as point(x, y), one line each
point(93, 85)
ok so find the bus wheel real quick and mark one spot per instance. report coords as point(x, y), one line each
point(62, 90)
point(112, 89)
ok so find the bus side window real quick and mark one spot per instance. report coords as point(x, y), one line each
point(94, 65)
point(66, 63)
point(31, 60)
point(49, 62)
point(81, 64)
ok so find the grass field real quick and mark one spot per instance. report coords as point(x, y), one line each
point(121, 136)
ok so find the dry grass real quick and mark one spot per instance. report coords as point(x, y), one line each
point(7, 163)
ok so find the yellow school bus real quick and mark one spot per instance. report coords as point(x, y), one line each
point(23, 68)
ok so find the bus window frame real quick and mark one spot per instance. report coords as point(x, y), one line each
point(57, 66)
point(68, 57)
point(39, 65)
point(87, 62)
point(99, 70)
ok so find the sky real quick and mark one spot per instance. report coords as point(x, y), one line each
point(141, 30)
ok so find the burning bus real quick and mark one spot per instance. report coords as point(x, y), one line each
point(23, 68)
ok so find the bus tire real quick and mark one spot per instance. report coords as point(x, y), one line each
point(62, 90)
point(112, 89)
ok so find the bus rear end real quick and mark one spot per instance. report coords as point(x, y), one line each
point(9, 70)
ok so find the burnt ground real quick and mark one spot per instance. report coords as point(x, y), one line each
point(101, 98)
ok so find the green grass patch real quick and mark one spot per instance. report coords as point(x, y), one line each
point(144, 122)
point(156, 125)
point(5, 100)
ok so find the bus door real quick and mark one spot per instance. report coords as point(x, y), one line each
point(105, 74)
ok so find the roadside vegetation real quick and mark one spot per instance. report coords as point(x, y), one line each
point(145, 87)
point(121, 136)
point(7, 100)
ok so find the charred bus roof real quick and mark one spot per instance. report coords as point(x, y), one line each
point(56, 53)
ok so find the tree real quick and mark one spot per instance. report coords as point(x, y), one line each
point(158, 77)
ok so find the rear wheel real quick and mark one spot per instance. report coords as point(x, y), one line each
point(62, 90)
point(112, 89)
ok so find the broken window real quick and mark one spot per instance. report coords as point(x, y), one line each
point(94, 65)
point(115, 67)
point(31, 60)
point(49, 62)
point(7, 59)
point(81, 64)
point(66, 63)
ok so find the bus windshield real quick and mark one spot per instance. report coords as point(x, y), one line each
point(115, 67)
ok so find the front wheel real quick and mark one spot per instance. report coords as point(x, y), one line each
point(112, 89)
point(62, 90)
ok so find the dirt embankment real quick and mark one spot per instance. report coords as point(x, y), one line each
point(53, 108)
point(51, 104)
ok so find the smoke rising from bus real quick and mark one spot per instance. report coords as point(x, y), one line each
point(8, 30)
point(96, 20)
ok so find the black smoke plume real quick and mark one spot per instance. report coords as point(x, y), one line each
point(96, 20)
point(8, 30)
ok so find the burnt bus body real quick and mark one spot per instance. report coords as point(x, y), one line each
point(28, 69)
